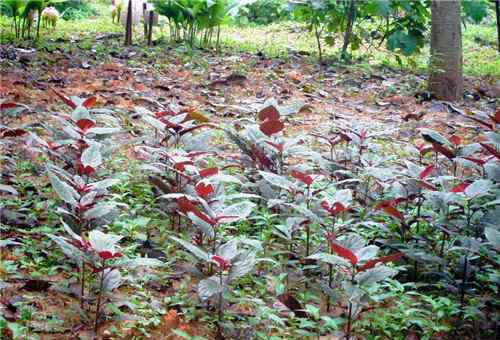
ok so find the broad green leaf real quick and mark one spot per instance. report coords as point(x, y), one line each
point(65, 192)
point(103, 242)
point(478, 188)
point(99, 210)
point(493, 236)
point(209, 287)
point(92, 156)
point(199, 253)
point(375, 275)
point(276, 180)
point(330, 259)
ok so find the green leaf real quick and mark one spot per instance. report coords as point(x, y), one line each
point(375, 275)
point(65, 192)
point(92, 156)
point(476, 10)
point(199, 253)
point(331, 259)
point(493, 236)
point(403, 41)
point(209, 287)
point(99, 210)
point(478, 188)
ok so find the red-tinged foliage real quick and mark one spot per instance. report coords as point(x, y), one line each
point(443, 150)
point(107, 255)
point(345, 137)
point(389, 209)
point(209, 172)
point(384, 259)
point(84, 170)
point(293, 304)
point(220, 262)
point(425, 185)
point(85, 124)
point(478, 161)
point(269, 113)
point(262, 159)
point(277, 146)
point(460, 187)
point(270, 127)
point(181, 166)
point(304, 178)
point(343, 252)
point(335, 209)
point(426, 172)
point(455, 140)
point(5, 133)
point(65, 99)
point(89, 102)
point(493, 151)
point(203, 189)
point(161, 114)
point(5, 106)
point(424, 149)
point(185, 205)
point(496, 118)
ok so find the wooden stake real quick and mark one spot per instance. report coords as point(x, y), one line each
point(150, 30)
point(128, 25)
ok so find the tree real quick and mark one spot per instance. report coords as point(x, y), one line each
point(446, 79)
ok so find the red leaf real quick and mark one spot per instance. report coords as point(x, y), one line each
point(455, 140)
point(343, 252)
point(304, 178)
point(203, 189)
point(12, 132)
point(426, 172)
point(84, 170)
point(425, 185)
point(85, 124)
point(388, 208)
point(164, 113)
point(261, 157)
point(89, 102)
point(209, 172)
point(185, 205)
point(383, 259)
point(460, 187)
point(65, 99)
point(335, 209)
point(220, 261)
point(293, 304)
point(105, 255)
point(277, 146)
point(269, 113)
point(496, 117)
point(5, 106)
point(491, 150)
point(475, 160)
point(442, 150)
point(182, 165)
point(270, 127)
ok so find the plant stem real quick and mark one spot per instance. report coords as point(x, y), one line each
point(82, 284)
point(99, 294)
point(220, 306)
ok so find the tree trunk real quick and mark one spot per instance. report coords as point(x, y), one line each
point(351, 16)
point(497, 10)
point(446, 79)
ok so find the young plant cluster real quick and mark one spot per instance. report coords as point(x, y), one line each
point(78, 146)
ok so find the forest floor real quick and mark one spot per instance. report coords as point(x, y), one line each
point(223, 86)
